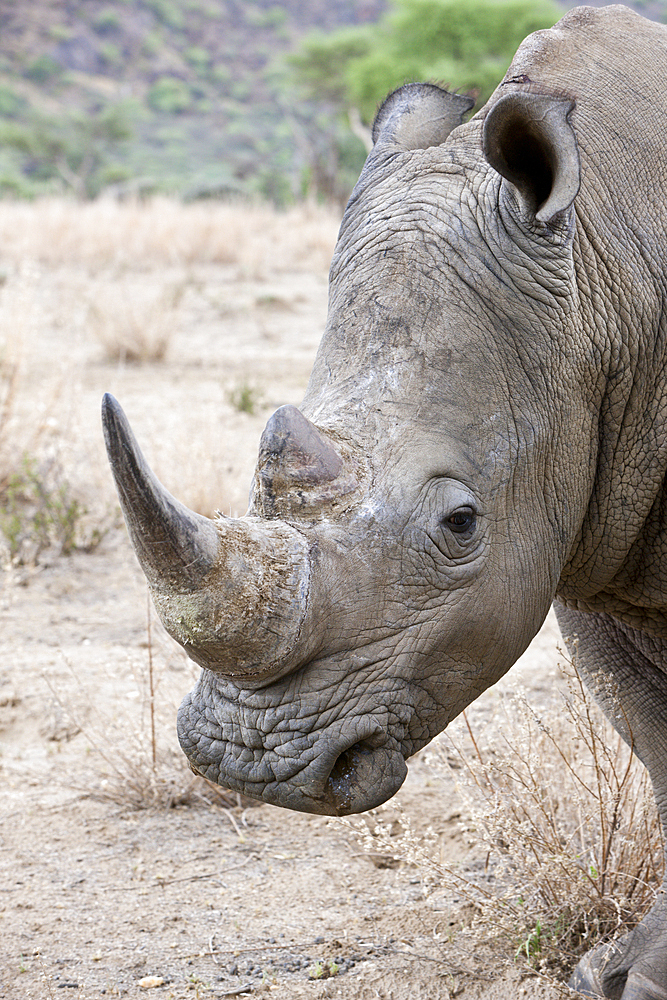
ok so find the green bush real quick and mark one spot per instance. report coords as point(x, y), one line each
point(43, 69)
point(222, 75)
point(106, 22)
point(11, 103)
point(111, 54)
point(197, 57)
point(60, 32)
point(168, 11)
point(38, 511)
point(74, 149)
point(467, 44)
point(245, 398)
point(15, 186)
point(169, 95)
point(272, 17)
point(151, 44)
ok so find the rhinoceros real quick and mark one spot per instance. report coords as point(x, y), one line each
point(484, 432)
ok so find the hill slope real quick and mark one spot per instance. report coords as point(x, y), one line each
point(195, 86)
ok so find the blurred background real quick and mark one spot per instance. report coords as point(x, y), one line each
point(212, 98)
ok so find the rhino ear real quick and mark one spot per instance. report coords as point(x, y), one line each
point(528, 139)
point(419, 115)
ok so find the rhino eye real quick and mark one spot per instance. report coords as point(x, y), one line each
point(461, 521)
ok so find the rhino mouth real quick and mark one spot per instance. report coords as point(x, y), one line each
point(349, 766)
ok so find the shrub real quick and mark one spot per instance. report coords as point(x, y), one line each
point(107, 21)
point(169, 12)
point(43, 69)
point(39, 511)
point(245, 398)
point(565, 816)
point(169, 95)
point(197, 57)
point(11, 103)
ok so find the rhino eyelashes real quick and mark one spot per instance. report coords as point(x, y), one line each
point(462, 521)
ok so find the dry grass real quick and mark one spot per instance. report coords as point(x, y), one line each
point(39, 510)
point(161, 231)
point(19, 322)
point(75, 276)
point(565, 816)
point(135, 761)
point(134, 325)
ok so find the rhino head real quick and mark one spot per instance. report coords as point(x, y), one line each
point(409, 524)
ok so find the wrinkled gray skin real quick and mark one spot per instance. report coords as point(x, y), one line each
point(483, 432)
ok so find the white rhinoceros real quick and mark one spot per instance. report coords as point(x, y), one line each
point(484, 431)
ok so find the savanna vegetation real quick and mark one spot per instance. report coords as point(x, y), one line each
point(224, 98)
point(465, 44)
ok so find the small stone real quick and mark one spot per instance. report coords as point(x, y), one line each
point(148, 982)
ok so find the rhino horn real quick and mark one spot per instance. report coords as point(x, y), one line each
point(292, 452)
point(297, 466)
point(234, 591)
point(174, 545)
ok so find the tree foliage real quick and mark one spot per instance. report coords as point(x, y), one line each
point(467, 44)
point(74, 149)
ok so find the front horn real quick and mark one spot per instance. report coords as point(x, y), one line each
point(232, 591)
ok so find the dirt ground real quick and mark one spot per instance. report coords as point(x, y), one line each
point(194, 894)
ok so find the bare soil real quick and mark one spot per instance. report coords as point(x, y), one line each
point(123, 874)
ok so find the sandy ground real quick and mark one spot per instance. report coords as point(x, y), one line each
point(194, 895)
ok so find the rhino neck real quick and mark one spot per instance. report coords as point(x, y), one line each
point(620, 267)
point(616, 557)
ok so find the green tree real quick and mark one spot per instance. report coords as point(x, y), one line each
point(75, 149)
point(170, 95)
point(467, 44)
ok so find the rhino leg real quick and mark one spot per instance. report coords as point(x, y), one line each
point(627, 672)
point(632, 968)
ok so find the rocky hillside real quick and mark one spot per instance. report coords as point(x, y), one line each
point(184, 95)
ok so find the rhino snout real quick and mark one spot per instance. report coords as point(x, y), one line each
point(347, 768)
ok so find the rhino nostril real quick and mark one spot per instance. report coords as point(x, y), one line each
point(339, 784)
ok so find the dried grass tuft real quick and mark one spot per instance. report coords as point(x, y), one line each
point(565, 816)
point(134, 762)
point(134, 325)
